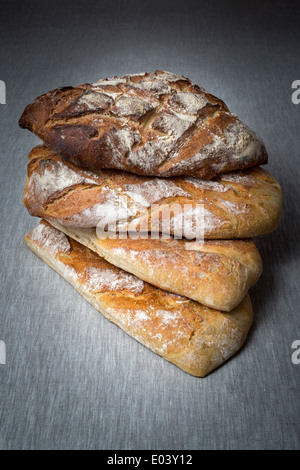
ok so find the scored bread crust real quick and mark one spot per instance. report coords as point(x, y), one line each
point(217, 273)
point(158, 124)
point(241, 204)
point(195, 338)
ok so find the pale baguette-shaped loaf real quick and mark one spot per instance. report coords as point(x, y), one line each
point(217, 273)
point(195, 338)
point(236, 205)
point(158, 124)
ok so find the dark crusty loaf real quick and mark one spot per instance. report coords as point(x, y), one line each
point(157, 124)
point(216, 273)
point(236, 205)
point(195, 338)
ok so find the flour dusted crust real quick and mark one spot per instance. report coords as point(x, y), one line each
point(240, 204)
point(195, 338)
point(158, 124)
point(217, 273)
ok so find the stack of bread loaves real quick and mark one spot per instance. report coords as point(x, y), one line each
point(150, 192)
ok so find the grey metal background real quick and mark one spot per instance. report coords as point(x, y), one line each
point(72, 380)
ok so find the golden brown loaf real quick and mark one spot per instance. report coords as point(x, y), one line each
point(216, 273)
point(235, 205)
point(158, 124)
point(195, 338)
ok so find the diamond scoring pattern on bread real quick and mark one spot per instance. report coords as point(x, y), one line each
point(150, 124)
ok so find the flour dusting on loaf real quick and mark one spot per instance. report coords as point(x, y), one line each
point(209, 185)
point(99, 280)
point(166, 330)
point(152, 191)
point(51, 239)
point(55, 176)
point(191, 207)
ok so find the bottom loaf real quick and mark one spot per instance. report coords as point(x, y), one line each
point(197, 339)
